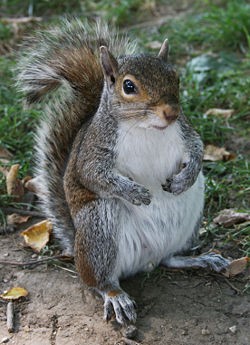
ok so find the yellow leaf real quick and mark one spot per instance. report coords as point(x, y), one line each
point(13, 184)
point(37, 235)
point(14, 293)
point(236, 267)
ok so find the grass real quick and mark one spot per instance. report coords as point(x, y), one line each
point(16, 126)
point(212, 28)
point(211, 49)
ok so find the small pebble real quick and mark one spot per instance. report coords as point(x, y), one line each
point(5, 340)
point(26, 328)
point(130, 332)
point(233, 329)
point(205, 331)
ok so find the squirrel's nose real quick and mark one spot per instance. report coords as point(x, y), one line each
point(167, 112)
point(170, 112)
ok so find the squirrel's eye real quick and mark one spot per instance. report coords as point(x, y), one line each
point(129, 87)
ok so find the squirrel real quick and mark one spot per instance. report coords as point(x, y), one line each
point(119, 165)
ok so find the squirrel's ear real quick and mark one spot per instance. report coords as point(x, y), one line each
point(163, 53)
point(109, 66)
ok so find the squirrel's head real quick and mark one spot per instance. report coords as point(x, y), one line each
point(142, 88)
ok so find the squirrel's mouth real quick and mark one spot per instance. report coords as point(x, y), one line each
point(161, 128)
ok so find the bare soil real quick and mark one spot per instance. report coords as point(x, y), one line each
point(174, 307)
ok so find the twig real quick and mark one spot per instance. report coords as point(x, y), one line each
point(68, 270)
point(9, 210)
point(33, 262)
point(232, 286)
point(10, 317)
point(226, 280)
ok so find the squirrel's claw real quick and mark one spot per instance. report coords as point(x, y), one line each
point(216, 262)
point(122, 306)
point(167, 186)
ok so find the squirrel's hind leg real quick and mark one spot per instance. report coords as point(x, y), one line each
point(96, 256)
point(211, 260)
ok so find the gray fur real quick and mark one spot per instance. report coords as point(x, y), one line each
point(39, 73)
point(211, 260)
point(180, 182)
point(98, 175)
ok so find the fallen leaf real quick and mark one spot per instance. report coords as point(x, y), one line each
point(224, 113)
point(26, 179)
point(14, 293)
point(214, 153)
point(154, 45)
point(13, 184)
point(229, 217)
point(4, 171)
point(236, 267)
point(34, 185)
point(4, 153)
point(15, 218)
point(37, 235)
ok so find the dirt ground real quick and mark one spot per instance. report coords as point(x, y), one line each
point(175, 308)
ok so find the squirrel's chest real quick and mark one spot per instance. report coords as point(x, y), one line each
point(149, 156)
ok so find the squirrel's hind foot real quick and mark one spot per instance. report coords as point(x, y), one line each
point(212, 260)
point(119, 303)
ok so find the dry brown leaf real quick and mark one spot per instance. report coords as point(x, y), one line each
point(154, 45)
point(37, 235)
point(15, 218)
point(229, 217)
point(26, 179)
point(4, 153)
point(13, 184)
point(236, 267)
point(33, 185)
point(4, 161)
point(214, 153)
point(14, 293)
point(4, 171)
point(225, 113)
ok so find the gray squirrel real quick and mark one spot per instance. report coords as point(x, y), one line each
point(118, 163)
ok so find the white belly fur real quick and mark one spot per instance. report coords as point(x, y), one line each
point(148, 234)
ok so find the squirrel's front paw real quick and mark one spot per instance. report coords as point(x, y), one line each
point(138, 195)
point(180, 183)
point(175, 185)
point(121, 305)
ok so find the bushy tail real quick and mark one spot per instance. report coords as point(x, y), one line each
point(66, 60)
